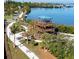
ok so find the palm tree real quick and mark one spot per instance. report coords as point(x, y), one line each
point(14, 29)
point(46, 38)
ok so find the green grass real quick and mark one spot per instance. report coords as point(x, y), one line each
point(16, 52)
point(8, 17)
point(31, 47)
point(35, 50)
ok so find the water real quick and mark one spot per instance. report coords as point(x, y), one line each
point(59, 15)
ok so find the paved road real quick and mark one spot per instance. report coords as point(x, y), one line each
point(68, 36)
point(10, 35)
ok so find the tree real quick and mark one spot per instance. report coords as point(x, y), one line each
point(62, 48)
point(11, 6)
point(66, 29)
point(46, 37)
point(16, 28)
point(13, 30)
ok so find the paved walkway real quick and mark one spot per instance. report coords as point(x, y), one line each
point(68, 36)
point(10, 35)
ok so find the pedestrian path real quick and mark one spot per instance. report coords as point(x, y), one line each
point(10, 35)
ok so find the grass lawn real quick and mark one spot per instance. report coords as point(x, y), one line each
point(30, 46)
point(16, 52)
point(38, 51)
point(8, 17)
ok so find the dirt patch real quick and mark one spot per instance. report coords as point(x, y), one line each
point(45, 54)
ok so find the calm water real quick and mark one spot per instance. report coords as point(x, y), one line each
point(59, 15)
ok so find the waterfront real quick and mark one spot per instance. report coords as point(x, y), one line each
point(59, 15)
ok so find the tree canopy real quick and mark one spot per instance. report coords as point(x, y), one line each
point(11, 6)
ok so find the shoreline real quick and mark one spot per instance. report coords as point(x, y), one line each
point(50, 20)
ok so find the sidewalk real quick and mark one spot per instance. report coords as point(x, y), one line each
point(10, 35)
